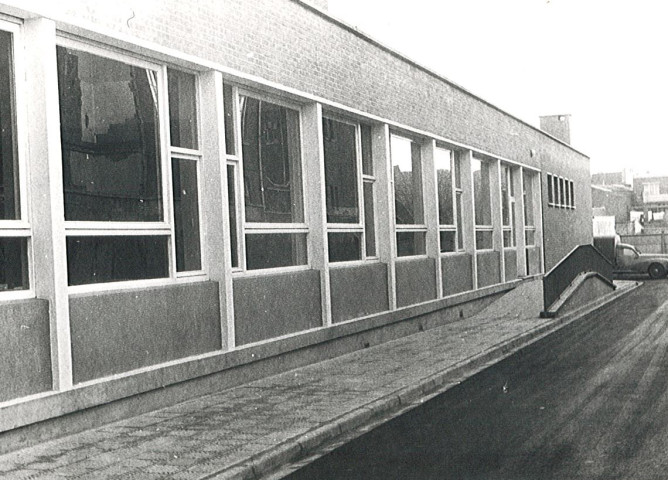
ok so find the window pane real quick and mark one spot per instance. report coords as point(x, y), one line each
point(344, 246)
point(505, 195)
point(444, 185)
point(367, 159)
point(271, 155)
point(508, 240)
point(182, 109)
point(572, 194)
point(228, 106)
point(562, 195)
point(369, 223)
point(550, 195)
point(9, 174)
point(410, 243)
point(272, 250)
point(340, 171)
point(483, 240)
point(529, 237)
point(13, 264)
point(115, 258)
point(186, 215)
point(481, 191)
point(232, 203)
point(110, 139)
point(448, 241)
point(528, 198)
point(460, 238)
point(458, 171)
point(406, 167)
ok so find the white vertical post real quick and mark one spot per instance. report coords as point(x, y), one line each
point(538, 217)
point(495, 172)
point(215, 212)
point(430, 189)
point(314, 156)
point(46, 191)
point(468, 211)
point(384, 196)
point(518, 186)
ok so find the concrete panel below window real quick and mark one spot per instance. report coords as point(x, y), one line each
point(358, 291)
point(510, 257)
point(533, 260)
point(457, 273)
point(489, 268)
point(416, 281)
point(25, 348)
point(114, 332)
point(273, 305)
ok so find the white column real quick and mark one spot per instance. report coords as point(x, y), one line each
point(495, 173)
point(468, 211)
point(518, 187)
point(314, 156)
point(384, 199)
point(538, 217)
point(430, 189)
point(215, 210)
point(46, 191)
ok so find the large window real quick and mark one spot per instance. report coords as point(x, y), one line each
point(115, 174)
point(14, 228)
point(408, 199)
point(274, 227)
point(483, 205)
point(449, 199)
point(346, 151)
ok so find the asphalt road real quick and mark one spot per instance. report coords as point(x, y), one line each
point(587, 402)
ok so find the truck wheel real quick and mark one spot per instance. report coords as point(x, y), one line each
point(656, 270)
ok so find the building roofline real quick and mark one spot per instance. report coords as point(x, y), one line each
point(405, 58)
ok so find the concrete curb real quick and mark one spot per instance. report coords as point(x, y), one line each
point(402, 399)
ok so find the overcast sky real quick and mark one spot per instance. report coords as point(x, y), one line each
point(603, 62)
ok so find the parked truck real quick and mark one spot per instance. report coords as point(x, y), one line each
point(628, 259)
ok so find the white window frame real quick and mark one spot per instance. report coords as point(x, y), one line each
point(234, 160)
point(249, 228)
point(19, 228)
point(362, 178)
point(408, 228)
point(508, 170)
point(530, 228)
point(455, 191)
point(165, 227)
point(483, 227)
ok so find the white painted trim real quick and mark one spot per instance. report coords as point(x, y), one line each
point(384, 196)
point(267, 272)
point(313, 153)
point(10, 295)
point(109, 287)
point(46, 180)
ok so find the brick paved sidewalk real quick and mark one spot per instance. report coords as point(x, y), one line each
point(247, 431)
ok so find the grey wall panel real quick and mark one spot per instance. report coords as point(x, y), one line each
point(457, 273)
point(489, 271)
point(115, 332)
point(269, 306)
point(533, 260)
point(25, 348)
point(416, 281)
point(510, 257)
point(358, 291)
